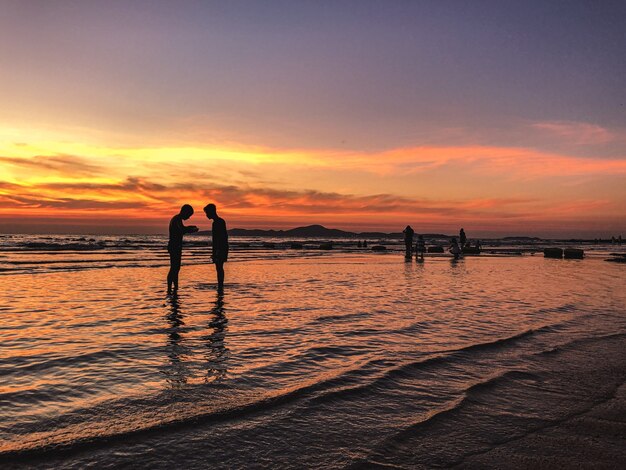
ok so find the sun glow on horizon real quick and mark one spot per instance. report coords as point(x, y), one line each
point(127, 188)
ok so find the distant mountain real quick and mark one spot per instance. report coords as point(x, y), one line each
point(521, 238)
point(318, 231)
point(313, 231)
point(310, 231)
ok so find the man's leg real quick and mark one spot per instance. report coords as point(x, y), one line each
point(172, 276)
point(219, 267)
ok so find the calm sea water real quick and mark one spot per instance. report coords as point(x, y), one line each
point(309, 359)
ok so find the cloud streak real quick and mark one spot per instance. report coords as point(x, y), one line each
point(58, 164)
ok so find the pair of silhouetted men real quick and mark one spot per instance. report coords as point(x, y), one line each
point(175, 245)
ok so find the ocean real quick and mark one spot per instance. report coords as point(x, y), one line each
point(341, 358)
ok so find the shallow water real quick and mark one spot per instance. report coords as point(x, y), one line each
point(318, 361)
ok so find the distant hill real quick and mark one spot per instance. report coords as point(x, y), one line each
point(310, 231)
point(313, 231)
point(521, 238)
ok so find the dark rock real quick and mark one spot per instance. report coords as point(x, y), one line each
point(553, 253)
point(326, 246)
point(573, 253)
point(435, 249)
point(379, 248)
point(296, 246)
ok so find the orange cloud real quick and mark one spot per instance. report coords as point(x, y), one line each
point(264, 186)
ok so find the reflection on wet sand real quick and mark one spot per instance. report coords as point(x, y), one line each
point(217, 352)
point(177, 371)
point(184, 353)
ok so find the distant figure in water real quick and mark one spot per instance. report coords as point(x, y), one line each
point(364, 243)
point(420, 248)
point(462, 237)
point(175, 244)
point(408, 240)
point(359, 244)
point(455, 249)
point(220, 243)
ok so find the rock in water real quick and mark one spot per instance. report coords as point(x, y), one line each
point(573, 253)
point(553, 253)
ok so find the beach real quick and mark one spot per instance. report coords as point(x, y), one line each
point(311, 359)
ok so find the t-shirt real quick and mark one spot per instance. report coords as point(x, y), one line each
point(220, 236)
point(177, 230)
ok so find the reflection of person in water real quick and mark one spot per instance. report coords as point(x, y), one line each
point(220, 243)
point(175, 244)
point(177, 371)
point(217, 352)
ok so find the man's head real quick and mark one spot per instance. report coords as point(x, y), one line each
point(210, 210)
point(186, 211)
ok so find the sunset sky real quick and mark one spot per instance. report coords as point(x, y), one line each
point(504, 117)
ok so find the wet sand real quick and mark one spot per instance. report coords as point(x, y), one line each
point(317, 362)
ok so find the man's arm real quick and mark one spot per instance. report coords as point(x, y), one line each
point(186, 228)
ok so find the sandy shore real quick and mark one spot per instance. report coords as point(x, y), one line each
point(595, 439)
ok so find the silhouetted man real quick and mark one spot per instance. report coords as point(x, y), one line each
point(420, 247)
point(462, 238)
point(175, 244)
point(220, 243)
point(408, 240)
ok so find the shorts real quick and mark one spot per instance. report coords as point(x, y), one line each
point(176, 255)
point(219, 256)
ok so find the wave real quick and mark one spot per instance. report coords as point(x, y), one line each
point(44, 246)
point(331, 388)
point(59, 447)
point(436, 359)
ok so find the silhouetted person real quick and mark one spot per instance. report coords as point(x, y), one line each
point(462, 237)
point(619, 240)
point(454, 248)
point(478, 245)
point(220, 243)
point(408, 240)
point(175, 244)
point(359, 244)
point(364, 243)
point(420, 247)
